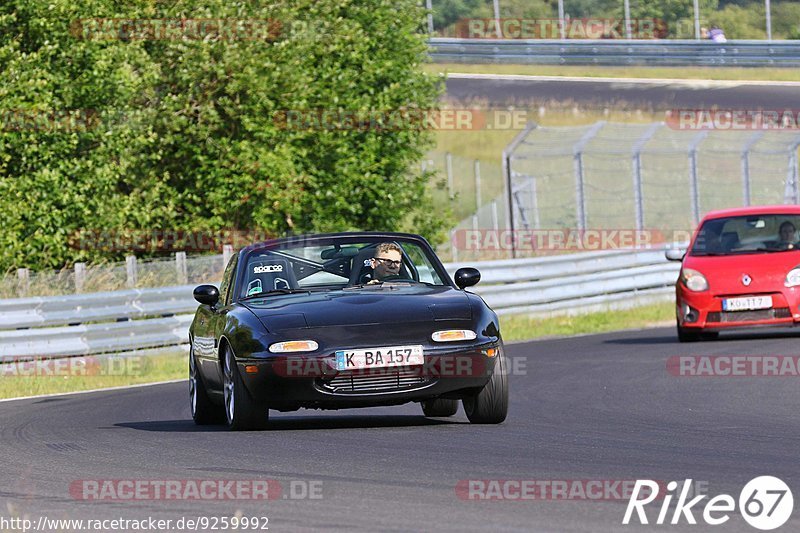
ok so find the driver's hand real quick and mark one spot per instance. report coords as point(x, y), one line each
point(374, 282)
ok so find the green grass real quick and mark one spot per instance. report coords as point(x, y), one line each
point(101, 372)
point(687, 73)
point(522, 328)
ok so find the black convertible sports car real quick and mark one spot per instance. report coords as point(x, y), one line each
point(343, 320)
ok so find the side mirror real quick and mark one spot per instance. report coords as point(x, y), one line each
point(467, 277)
point(206, 295)
point(675, 254)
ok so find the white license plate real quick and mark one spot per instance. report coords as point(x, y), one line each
point(379, 357)
point(747, 304)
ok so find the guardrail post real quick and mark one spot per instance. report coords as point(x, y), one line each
point(638, 195)
point(80, 276)
point(693, 188)
point(181, 268)
point(448, 162)
point(476, 166)
point(130, 268)
point(227, 253)
point(746, 165)
point(580, 186)
point(24, 279)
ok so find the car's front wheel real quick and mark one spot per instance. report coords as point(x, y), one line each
point(242, 411)
point(688, 334)
point(439, 407)
point(204, 412)
point(490, 405)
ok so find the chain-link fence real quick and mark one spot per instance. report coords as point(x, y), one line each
point(643, 176)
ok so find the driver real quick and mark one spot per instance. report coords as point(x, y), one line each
point(786, 235)
point(386, 263)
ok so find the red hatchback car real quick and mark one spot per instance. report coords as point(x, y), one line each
point(742, 269)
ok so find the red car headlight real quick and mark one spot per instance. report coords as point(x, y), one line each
point(793, 277)
point(694, 280)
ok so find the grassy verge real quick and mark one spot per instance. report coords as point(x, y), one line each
point(522, 328)
point(90, 372)
point(488, 144)
point(677, 73)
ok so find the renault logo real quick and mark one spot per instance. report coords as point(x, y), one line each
point(746, 280)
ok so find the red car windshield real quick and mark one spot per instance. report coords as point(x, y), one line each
point(747, 235)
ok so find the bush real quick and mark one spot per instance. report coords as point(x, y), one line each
point(188, 134)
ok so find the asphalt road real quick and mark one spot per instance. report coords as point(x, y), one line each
point(640, 94)
point(587, 408)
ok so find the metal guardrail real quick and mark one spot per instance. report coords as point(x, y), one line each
point(43, 311)
point(111, 322)
point(613, 52)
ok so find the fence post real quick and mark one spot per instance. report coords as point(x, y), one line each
point(130, 267)
point(181, 268)
point(693, 188)
point(453, 245)
point(477, 169)
point(638, 196)
point(495, 219)
point(580, 186)
point(748, 145)
point(80, 276)
point(24, 278)
point(792, 191)
point(227, 253)
point(508, 153)
point(448, 162)
point(535, 204)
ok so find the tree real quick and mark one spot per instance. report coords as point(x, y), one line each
point(187, 133)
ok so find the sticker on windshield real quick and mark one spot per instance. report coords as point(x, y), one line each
point(267, 268)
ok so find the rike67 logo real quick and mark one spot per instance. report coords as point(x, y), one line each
point(765, 503)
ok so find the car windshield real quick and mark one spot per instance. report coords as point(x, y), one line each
point(338, 263)
point(750, 234)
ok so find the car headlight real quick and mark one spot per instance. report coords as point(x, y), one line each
point(793, 277)
point(450, 335)
point(293, 346)
point(694, 280)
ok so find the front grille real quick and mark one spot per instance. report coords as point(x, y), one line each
point(384, 380)
point(750, 316)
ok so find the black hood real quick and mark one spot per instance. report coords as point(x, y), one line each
point(380, 305)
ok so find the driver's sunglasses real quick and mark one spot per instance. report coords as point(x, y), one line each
point(388, 261)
